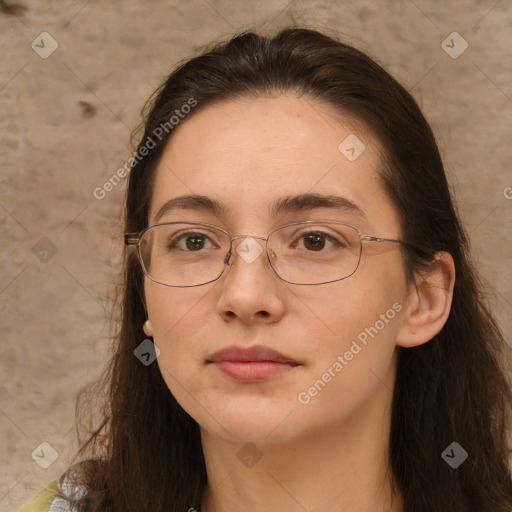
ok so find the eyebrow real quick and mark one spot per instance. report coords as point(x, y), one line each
point(284, 205)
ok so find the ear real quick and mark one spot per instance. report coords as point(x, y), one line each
point(148, 329)
point(429, 302)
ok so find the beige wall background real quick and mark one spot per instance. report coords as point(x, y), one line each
point(65, 122)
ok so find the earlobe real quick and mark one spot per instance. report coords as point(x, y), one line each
point(148, 329)
point(429, 302)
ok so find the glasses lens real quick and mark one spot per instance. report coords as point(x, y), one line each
point(311, 253)
point(183, 254)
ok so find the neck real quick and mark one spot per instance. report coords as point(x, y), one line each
point(343, 467)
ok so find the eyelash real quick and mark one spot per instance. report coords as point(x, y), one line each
point(173, 244)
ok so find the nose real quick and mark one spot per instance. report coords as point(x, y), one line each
point(250, 288)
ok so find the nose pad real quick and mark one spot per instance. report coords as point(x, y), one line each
point(272, 256)
point(228, 257)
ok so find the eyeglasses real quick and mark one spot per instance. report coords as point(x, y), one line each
point(185, 254)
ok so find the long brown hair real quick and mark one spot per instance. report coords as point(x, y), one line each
point(145, 453)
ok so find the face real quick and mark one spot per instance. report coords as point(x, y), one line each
point(341, 336)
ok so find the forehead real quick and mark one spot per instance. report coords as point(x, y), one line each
point(249, 153)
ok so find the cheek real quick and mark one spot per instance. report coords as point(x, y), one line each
point(364, 307)
point(178, 318)
point(352, 332)
point(173, 311)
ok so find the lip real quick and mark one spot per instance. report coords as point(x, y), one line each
point(254, 364)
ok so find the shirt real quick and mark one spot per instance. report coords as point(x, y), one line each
point(49, 501)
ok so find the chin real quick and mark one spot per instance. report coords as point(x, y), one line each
point(258, 422)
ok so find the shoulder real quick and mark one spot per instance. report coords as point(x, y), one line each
point(50, 500)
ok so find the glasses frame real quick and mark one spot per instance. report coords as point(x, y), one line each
point(133, 240)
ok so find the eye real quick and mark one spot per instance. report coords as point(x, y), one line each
point(190, 242)
point(318, 240)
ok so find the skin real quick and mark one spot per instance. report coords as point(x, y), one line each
point(330, 454)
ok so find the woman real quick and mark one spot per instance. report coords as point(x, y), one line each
point(295, 261)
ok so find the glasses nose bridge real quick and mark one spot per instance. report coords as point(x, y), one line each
point(234, 238)
point(241, 237)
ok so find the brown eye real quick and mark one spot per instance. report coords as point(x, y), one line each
point(193, 242)
point(317, 241)
point(314, 241)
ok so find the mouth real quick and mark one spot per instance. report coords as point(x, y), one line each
point(254, 364)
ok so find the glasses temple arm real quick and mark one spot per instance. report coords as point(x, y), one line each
point(131, 239)
point(378, 239)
